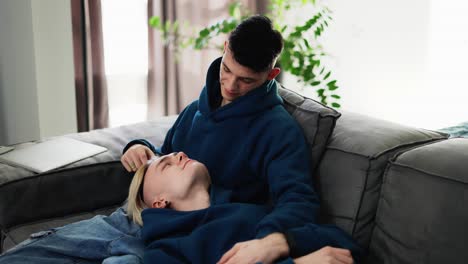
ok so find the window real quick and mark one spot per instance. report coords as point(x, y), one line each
point(125, 34)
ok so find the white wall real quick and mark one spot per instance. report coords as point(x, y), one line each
point(447, 70)
point(18, 93)
point(54, 66)
point(37, 97)
point(397, 60)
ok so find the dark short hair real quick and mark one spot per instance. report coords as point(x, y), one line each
point(255, 44)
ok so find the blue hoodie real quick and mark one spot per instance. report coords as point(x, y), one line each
point(200, 236)
point(203, 236)
point(254, 150)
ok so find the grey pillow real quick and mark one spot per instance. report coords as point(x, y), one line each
point(316, 120)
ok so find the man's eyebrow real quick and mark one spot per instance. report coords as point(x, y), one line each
point(248, 79)
point(224, 64)
point(241, 77)
point(161, 160)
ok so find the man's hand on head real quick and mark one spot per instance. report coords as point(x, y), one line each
point(135, 157)
point(265, 250)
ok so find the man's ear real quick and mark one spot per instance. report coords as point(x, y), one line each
point(225, 46)
point(273, 73)
point(160, 202)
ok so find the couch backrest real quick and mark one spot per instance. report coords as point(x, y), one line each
point(421, 215)
point(316, 120)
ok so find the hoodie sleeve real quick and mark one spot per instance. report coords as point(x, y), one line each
point(282, 158)
point(312, 237)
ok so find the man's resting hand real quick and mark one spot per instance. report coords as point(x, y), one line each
point(136, 156)
point(265, 250)
point(327, 255)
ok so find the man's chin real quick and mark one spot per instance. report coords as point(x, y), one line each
point(227, 99)
point(228, 96)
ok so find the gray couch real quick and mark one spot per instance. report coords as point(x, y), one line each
point(401, 192)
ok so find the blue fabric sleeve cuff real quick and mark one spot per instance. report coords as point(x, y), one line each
point(312, 237)
point(265, 232)
point(285, 261)
point(289, 240)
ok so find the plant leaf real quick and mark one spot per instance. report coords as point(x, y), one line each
point(332, 85)
point(232, 8)
point(336, 105)
point(155, 21)
point(204, 32)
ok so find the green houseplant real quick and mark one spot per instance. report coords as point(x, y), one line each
point(302, 51)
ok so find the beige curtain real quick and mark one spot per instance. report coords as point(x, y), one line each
point(174, 84)
point(90, 81)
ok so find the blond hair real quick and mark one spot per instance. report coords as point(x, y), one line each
point(136, 203)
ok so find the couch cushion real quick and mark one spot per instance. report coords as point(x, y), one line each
point(316, 120)
point(350, 174)
point(62, 192)
point(422, 216)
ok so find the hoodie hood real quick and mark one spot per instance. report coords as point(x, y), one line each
point(259, 99)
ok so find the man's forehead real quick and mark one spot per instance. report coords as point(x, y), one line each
point(233, 65)
point(156, 160)
point(159, 159)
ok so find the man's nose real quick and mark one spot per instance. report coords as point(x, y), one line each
point(181, 156)
point(231, 84)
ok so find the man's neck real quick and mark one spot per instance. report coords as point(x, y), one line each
point(224, 102)
point(199, 200)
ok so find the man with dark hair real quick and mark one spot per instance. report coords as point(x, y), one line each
point(258, 55)
point(254, 150)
